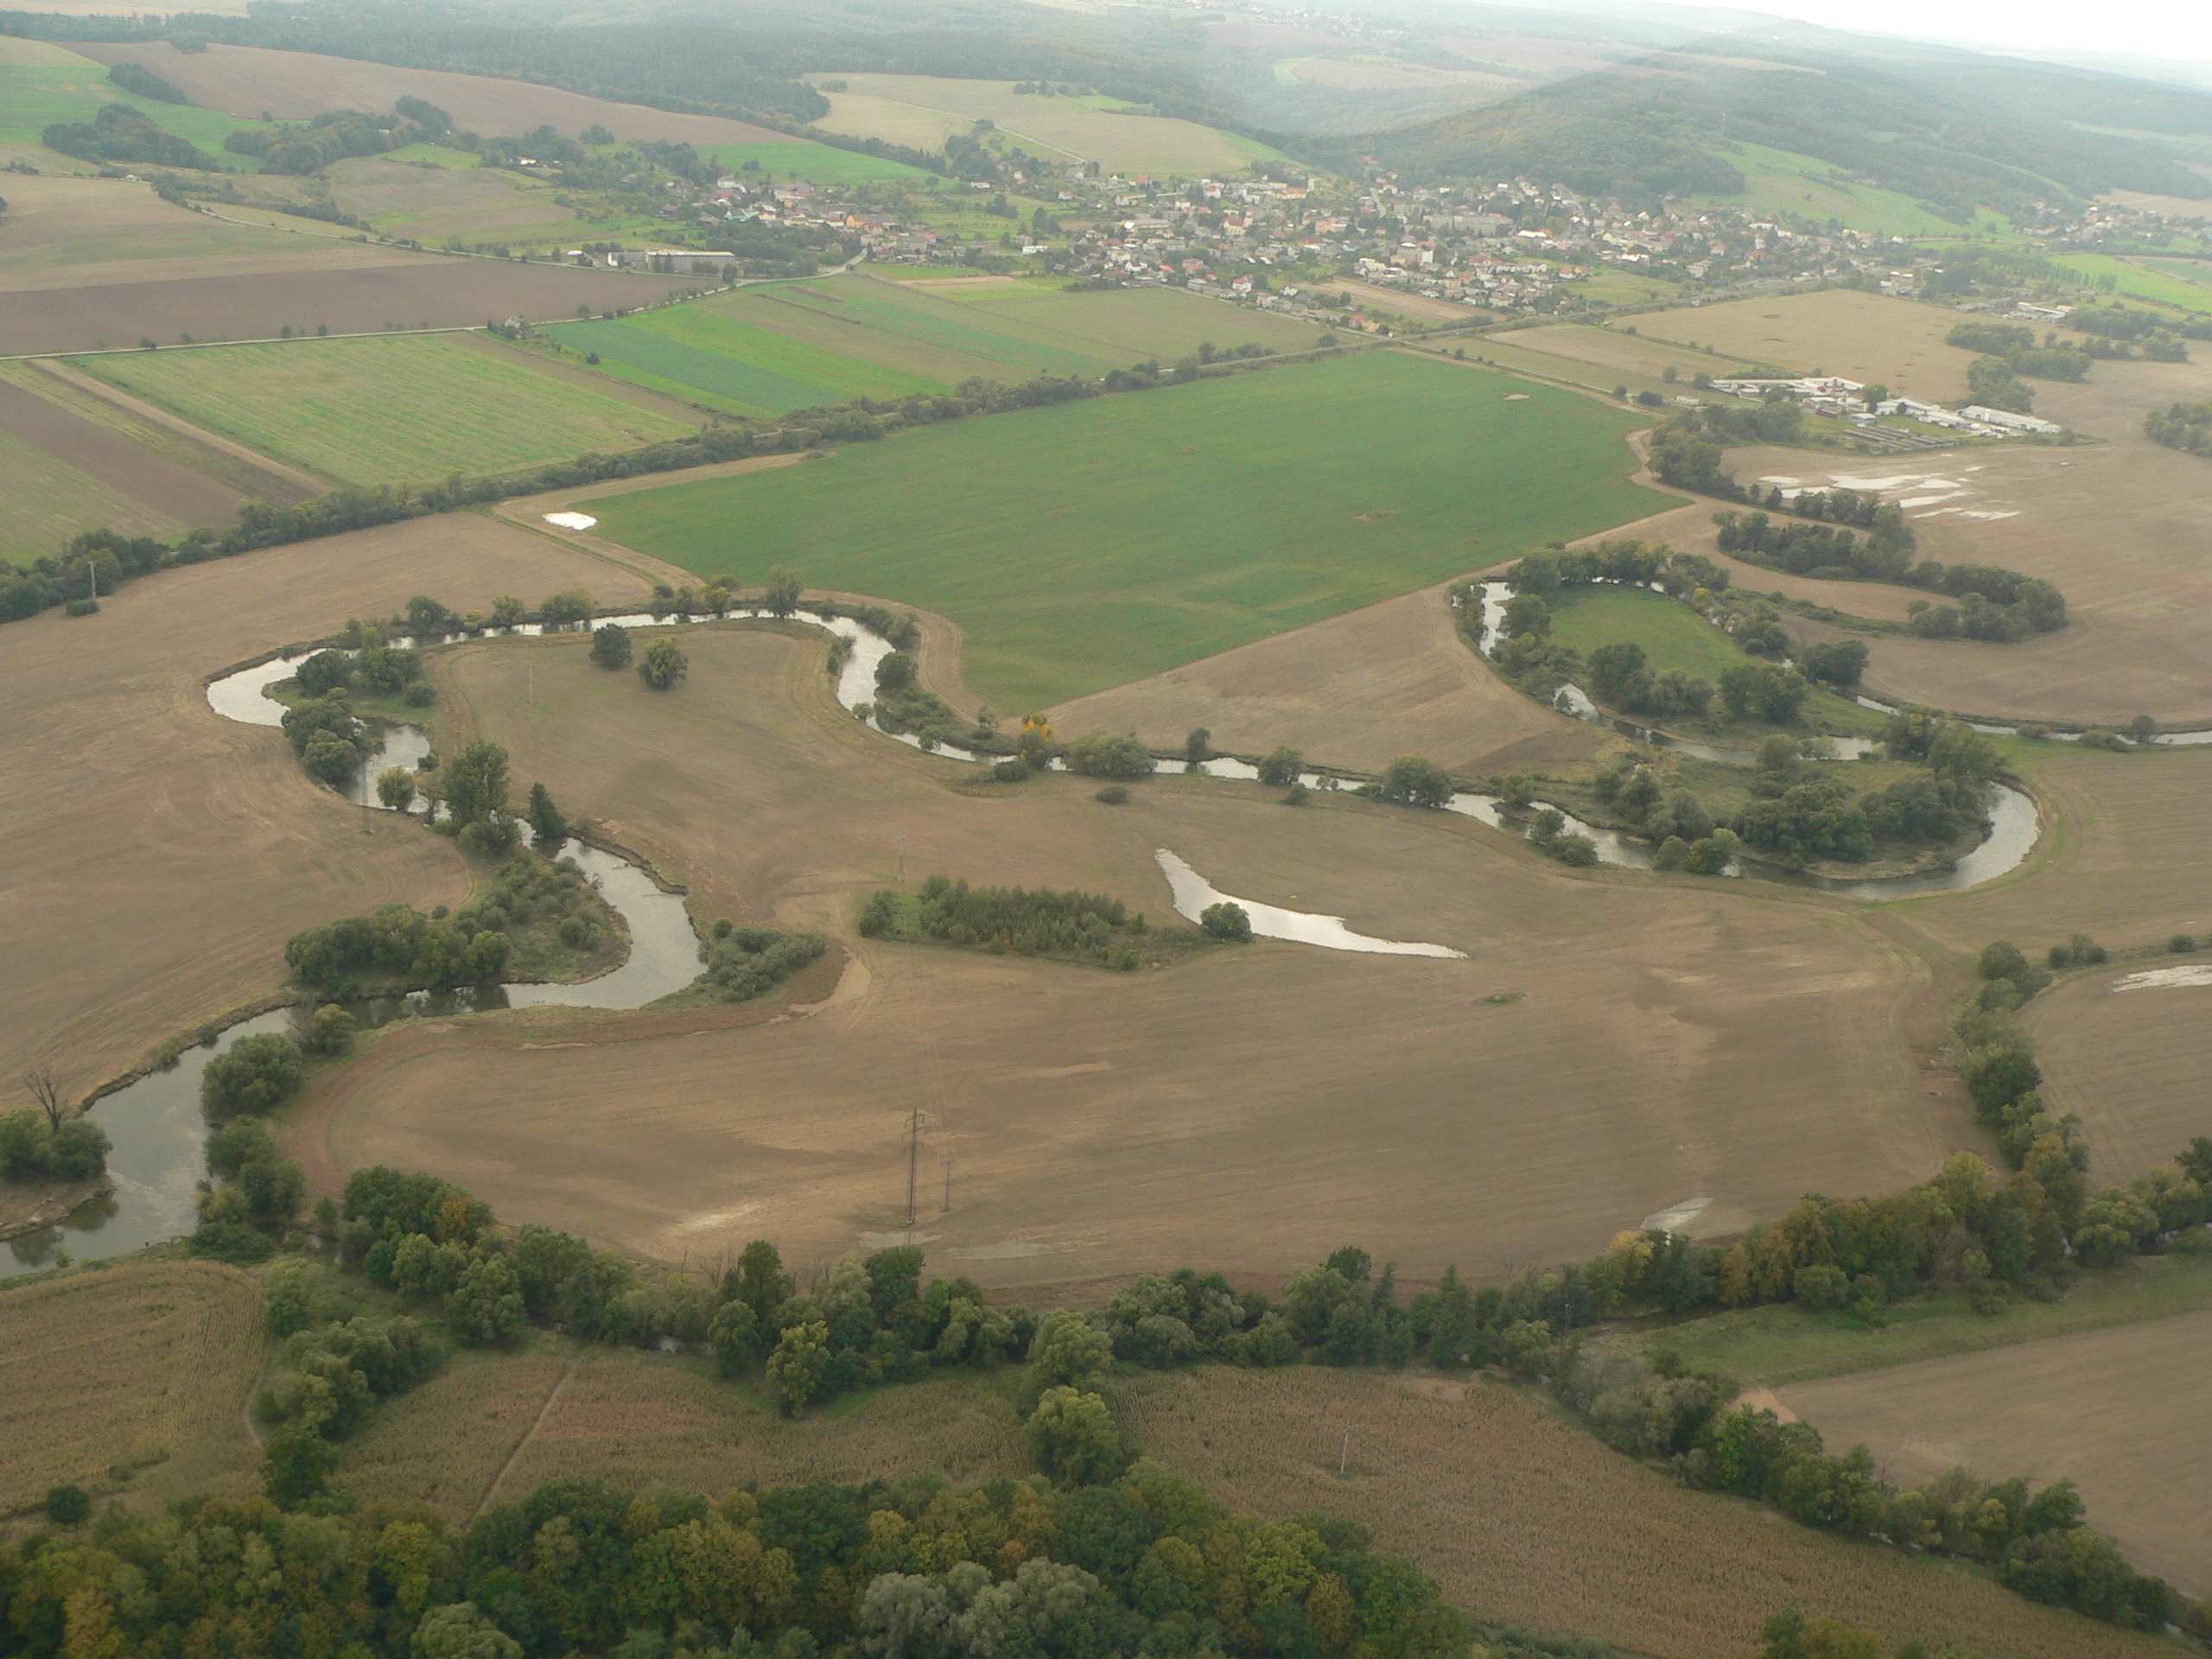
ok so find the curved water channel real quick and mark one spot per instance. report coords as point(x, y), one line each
point(159, 1132)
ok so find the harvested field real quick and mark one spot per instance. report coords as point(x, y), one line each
point(1211, 515)
point(1355, 691)
point(766, 351)
point(2120, 1413)
point(1524, 1519)
point(58, 380)
point(126, 783)
point(653, 1423)
point(1406, 304)
point(107, 1375)
point(2116, 526)
point(346, 289)
point(1611, 349)
point(406, 409)
point(66, 234)
point(1867, 337)
point(924, 110)
point(2132, 1058)
point(2128, 861)
point(294, 86)
point(1654, 1015)
point(477, 204)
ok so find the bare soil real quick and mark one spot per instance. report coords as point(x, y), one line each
point(2117, 1412)
point(1670, 1039)
point(161, 854)
point(172, 496)
point(1527, 1520)
point(2132, 1062)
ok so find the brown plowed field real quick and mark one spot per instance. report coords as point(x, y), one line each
point(159, 855)
point(1394, 678)
point(1526, 1520)
point(2134, 1063)
point(2120, 1412)
point(1670, 1041)
point(293, 85)
point(397, 290)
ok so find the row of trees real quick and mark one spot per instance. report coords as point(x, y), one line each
point(2185, 426)
point(2014, 605)
point(1018, 921)
point(2014, 344)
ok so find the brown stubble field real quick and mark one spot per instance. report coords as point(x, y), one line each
point(247, 80)
point(1353, 691)
point(2120, 1412)
point(1865, 337)
point(2134, 1063)
point(1671, 1040)
point(135, 1375)
point(1525, 1519)
point(159, 854)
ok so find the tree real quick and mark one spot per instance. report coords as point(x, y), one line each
point(758, 1280)
point(565, 607)
point(1282, 767)
point(1526, 616)
point(462, 1631)
point(331, 1030)
point(610, 645)
point(46, 1093)
point(396, 788)
point(782, 593)
point(67, 1505)
point(259, 1073)
point(1098, 755)
point(507, 611)
point(1413, 781)
point(1195, 744)
point(1227, 920)
point(1073, 1437)
point(547, 827)
point(735, 1335)
point(296, 1466)
point(487, 1305)
point(795, 1369)
point(476, 784)
point(663, 665)
point(1068, 1352)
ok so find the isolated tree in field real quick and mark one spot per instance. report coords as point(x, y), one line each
point(663, 665)
point(547, 827)
point(476, 784)
point(610, 645)
point(783, 592)
point(1413, 781)
point(46, 1093)
point(67, 1505)
point(1073, 1437)
point(396, 788)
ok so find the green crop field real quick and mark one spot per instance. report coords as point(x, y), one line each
point(406, 410)
point(764, 351)
point(1092, 543)
point(816, 163)
point(42, 84)
point(2134, 280)
point(49, 501)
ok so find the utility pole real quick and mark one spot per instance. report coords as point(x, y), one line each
point(1344, 1455)
point(914, 1159)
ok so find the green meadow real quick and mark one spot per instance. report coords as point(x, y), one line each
point(42, 84)
point(763, 352)
point(1091, 544)
point(815, 163)
point(410, 408)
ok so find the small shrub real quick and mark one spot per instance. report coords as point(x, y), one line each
point(81, 607)
point(68, 1505)
point(1011, 772)
point(1295, 795)
point(1112, 795)
point(2181, 944)
point(419, 694)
